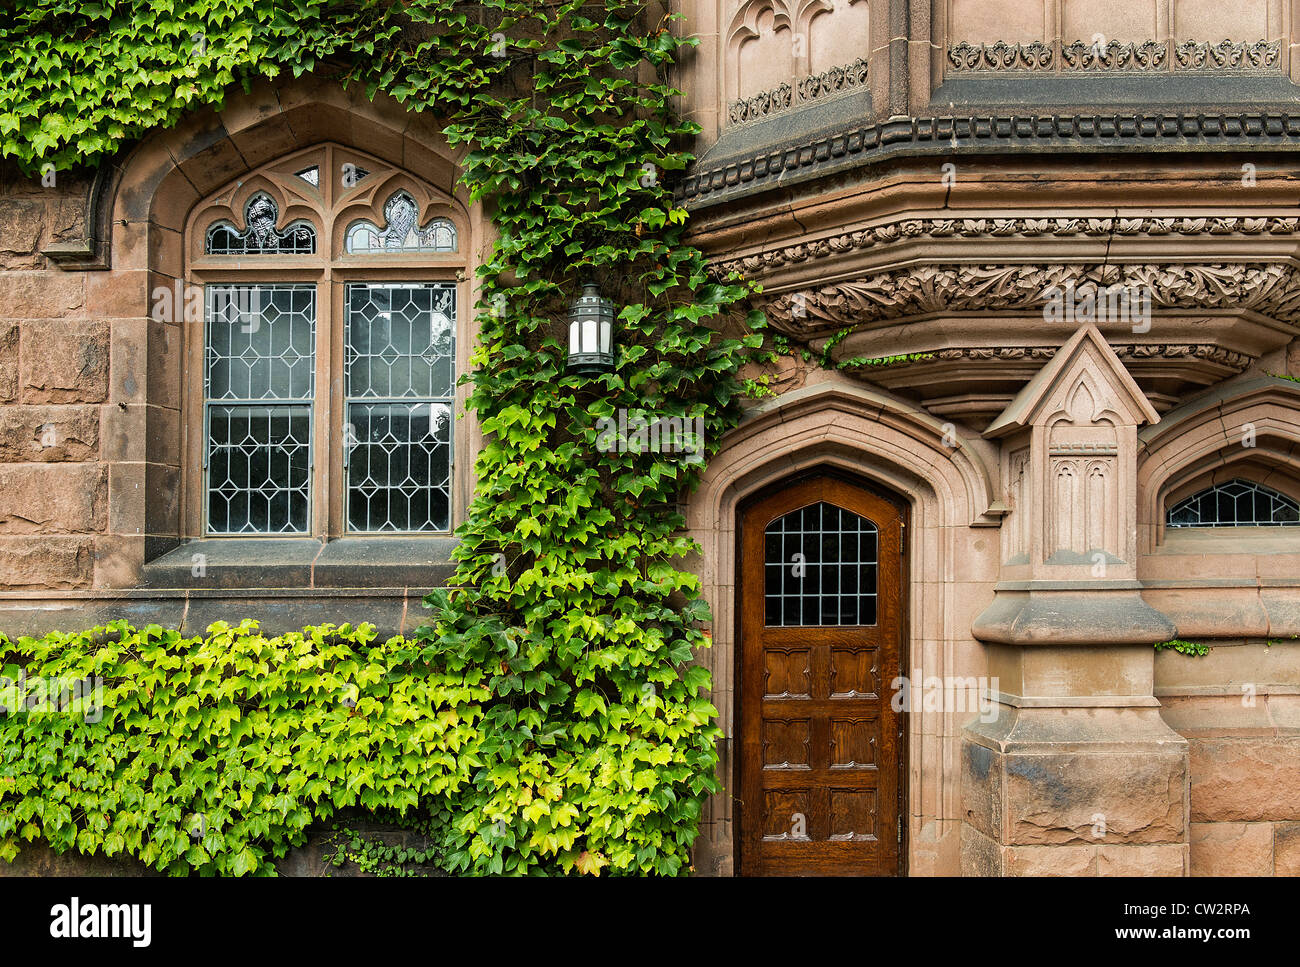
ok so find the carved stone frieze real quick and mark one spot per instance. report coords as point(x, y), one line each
point(1054, 227)
point(1132, 351)
point(1116, 55)
point(1228, 55)
point(1000, 56)
point(828, 83)
point(1146, 55)
point(1272, 289)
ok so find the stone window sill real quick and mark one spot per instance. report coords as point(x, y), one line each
point(352, 562)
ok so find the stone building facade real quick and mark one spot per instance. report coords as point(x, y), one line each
point(1047, 250)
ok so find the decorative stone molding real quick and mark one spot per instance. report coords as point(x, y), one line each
point(1147, 55)
point(837, 80)
point(1025, 227)
point(1228, 55)
point(1001, 56)
point(1272, 289)
point(1133, 351)
point(986, 134)
point(1118, 56)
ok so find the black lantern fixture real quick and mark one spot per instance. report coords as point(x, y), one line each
point(591, 332)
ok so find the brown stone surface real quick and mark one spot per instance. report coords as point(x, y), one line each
point(8, 360)
point(53, 499)
point(48, 434)
point(45, 562)
point(1245, 779)
point(23, 220)
point(1049, 861)
point(1286, 849)
point(1232, 849)
point(41, 294)
point(1056, 798)
point(1165, 859)
point(64, 362)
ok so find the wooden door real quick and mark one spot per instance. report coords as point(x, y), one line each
point(821, 630)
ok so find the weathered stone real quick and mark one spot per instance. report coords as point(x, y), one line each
point(64, 362)
point(1232, 849)
point(1167, 859)
point(8, 361)
point(1095, 799)
point(1245, 779)
point(36, 294)
point(1049, 861)
point(54, 499)
point(23, 220)
point(45, 562)
point(1286, 849)
point(48, 434)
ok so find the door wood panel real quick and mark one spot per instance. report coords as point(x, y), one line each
point(821, 626)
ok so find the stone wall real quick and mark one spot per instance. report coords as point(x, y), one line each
point(57, 411)
point(1239, 709)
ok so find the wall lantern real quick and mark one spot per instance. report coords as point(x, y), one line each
point(591, 332)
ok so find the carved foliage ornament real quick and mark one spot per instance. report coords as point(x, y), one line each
point(1145, 55)
point(1131, 351)
point(828, 83)
point(1064, 227)
point(1271, 289)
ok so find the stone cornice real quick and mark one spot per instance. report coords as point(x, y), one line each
point(988, 134)
point(1271, 289)
point(1009, 227)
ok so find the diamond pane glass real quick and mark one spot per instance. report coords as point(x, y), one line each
point(399, 467)
point(399, 342)
point(1237, 503)
point(260, 237)
point(259, 463)
point(260, 380)
point(820, 568)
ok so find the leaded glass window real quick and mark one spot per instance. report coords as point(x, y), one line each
point(399, 382)
point(258, 391)
point(1236, 503)
point(260, 236)
point(820, 568)
point(401, 232)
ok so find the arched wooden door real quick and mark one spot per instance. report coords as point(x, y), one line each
point(820, 764)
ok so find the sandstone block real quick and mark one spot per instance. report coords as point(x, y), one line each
point(48, 434)
point(1286, 849)
point(45, 562)
point(53, 499)
point(41, 293)
point(1247, 779)
point(8, 360)
point(1232, 849)
point(64, 362)
point(1095, 799)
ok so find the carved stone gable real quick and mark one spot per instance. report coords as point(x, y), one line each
point(1072, 464)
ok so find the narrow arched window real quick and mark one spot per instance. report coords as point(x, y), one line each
point(1235, 503)
point(327, 404)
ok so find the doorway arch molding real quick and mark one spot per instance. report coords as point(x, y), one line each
point(887, 443)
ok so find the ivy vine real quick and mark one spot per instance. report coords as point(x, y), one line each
point(594, 743)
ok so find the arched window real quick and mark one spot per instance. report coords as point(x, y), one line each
point(1235, 503)
point(819, 567)
point(328, 397)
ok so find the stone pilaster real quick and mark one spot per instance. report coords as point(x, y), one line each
point(1076, 773)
